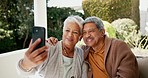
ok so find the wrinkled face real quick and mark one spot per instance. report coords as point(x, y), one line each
point(91, 34)
point(71, 34)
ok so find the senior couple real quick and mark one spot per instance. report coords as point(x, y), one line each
point(101, 57)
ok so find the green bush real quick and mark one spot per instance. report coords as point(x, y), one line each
point(8, 45)
point(111, 10)
point(126, 30)
point(110, 30)
point(124, 27)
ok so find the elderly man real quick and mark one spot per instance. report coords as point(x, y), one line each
point(108, 57)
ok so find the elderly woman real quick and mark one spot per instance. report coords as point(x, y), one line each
point(63, 60)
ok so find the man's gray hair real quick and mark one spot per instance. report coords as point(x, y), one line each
point(76, 19)
point(96, 20)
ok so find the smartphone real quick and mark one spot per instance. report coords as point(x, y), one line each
point(38, 32)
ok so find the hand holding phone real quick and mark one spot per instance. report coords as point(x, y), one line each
point(38, 32)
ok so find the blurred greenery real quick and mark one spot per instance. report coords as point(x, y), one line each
point(16, 22)
point(16, 18)
point(126, 31)
point(110, 30)
point(110, 10)
point(55, 19)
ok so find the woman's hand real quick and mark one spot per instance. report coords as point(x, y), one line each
point(32, 57)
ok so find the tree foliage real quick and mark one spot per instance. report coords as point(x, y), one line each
point(16, 22)
point(55, 19)
point(110, 10)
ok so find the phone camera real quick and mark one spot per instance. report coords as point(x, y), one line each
point(36, 30)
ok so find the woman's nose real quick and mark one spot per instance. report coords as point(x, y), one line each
point(70, 34)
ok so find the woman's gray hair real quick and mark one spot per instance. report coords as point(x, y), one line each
point(96, 20)
point(76, 19)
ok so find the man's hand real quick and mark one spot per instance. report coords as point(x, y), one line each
point(52, 40)
point(33, 57)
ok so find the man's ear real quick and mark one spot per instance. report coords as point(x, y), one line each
point(103, 31)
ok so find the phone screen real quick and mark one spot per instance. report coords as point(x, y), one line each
point(38, 32)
